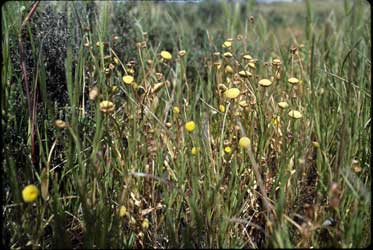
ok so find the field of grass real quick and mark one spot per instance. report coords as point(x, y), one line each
point(175, 125)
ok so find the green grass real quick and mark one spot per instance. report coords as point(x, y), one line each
point(295, 175)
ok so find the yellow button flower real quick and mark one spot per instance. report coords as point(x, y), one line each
point(221, 108)
point(244, 142)
point(228, 69)
point(122, 211)
point(228, 54)
point(295, 114)
point(30, 193)
point(244, 73)
point(127, 79)
point(227, 44)
point(176, 110)
point(190, 126)
point(265, 82)
point(166, 55)
point(232, 93)
point(227, 150)
point(247, 57)
point(283, 105)
point(107, 106)
point(293, 80)
point(145, 224)
point(195, 150)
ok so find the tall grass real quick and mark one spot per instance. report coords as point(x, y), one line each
point(301, 182)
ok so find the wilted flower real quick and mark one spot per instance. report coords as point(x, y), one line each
point(182, 53)
point(60, 124)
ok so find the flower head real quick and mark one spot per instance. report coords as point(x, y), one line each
point(122, 211)
point(166, 55)
point(127, 79)
point(195, 150)
point(232, 93)
point(265, 82)
point(247, 57)
point(227, 44)
point(228, 54)
point(227, 149)
point(244, 73)
point(145, 224)
point(60, 124)
point(107, 106)
point(244, 142)
point(30, 193)
point(190, 126)
point(176, 110)
point(182, 53)
point(221, 108)
point(283, 105)
point(293, 80)
point(295, 114)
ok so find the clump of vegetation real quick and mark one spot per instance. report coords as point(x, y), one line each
point(138, 128)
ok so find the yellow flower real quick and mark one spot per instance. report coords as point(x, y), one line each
point(228, 54)
point(195, 150)
point(243, 104)
point(221, 108)
point(244, 142)
point(295, 114)
point(244, 73)
point(247, 57)
point(265, 82)
point(60, 124)
point(293, 80)
point(252, 64)
point(227, 44)
point(127, 79)
point(190, 126)
point(227, 150)
point(116, 60)
point(276, 120)
point(176, 110)
point(107, 106)
point(283, 105)
point(166, 55)
point(30, 193)
point(122, 211)
point(145, 224)
point(228, 69)
point(276, 61)
point(232, 93)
